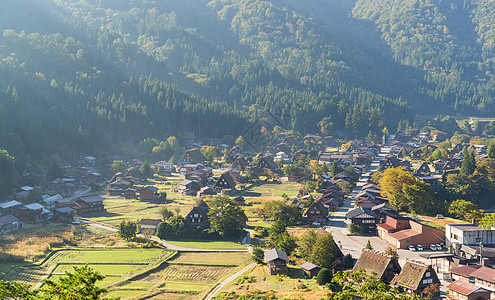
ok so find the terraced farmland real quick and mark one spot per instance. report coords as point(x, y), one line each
point(189, 275)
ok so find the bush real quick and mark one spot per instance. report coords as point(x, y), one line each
point(324, 276)
point(258, 255)
point(348, 262)
point(260, 231)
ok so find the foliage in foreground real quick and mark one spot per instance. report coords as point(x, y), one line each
point(80, 285)
point(368, 287)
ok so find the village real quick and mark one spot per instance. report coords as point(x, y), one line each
point(328, 183)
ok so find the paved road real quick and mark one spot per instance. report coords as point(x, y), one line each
point(337, 226)
point(226, 281)
point(164, 243)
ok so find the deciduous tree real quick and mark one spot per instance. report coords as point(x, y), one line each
point(226, 217)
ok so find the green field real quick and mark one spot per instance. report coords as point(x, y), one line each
point(116, 264)
point(200, 244)
point(272, 189)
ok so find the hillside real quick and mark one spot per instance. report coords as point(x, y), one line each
point(81, 75)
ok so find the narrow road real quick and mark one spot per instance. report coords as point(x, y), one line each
point(226, 281)
point(337, 224)
point(164, 243)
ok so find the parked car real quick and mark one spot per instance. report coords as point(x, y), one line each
point(439, 247)
point(412, 248)
point(439, 216)
point(419, 247)
point(316, 223)
point(433, 247)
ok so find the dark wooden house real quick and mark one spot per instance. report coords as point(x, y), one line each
point(88, 204)
point(225, 182)
point(148, 193)
point(276, 261)
point(311, 270)
point(364, 217)
point(198, 216)
point(317, 211)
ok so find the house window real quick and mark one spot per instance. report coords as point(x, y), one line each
point(369, 221)
point(192, 220)
point(427, 274)
point(195, 215)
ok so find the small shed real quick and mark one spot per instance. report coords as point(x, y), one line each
point(310, 269)
point(276, 261)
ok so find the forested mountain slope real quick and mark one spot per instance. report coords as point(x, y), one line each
point(90, 73)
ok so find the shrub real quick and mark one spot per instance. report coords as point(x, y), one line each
point(324, 276)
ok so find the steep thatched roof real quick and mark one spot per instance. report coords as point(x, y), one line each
point(377, 262)
point(411, 275)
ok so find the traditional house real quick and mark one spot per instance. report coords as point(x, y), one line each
point(415, 277)
point(400, 232)
point(317, 211)
point(9, 207)
point(149, 193)
point(266, 162)
point(198, 216)
point(465, 290)
point(276, 261)
point(189, 187)
point(422, 168)
point(386, 267)
point(364, 217)
point(383, 210)
point(240, 163)
point(310, 269)
point(130, 193)
point(225, 182)
point(193, 155)
point(9, 223)
point(163, 167)
point(204, 191)
point(87, 204)
point(389, 163)
point(149, 226)
point(63, 214)
point(32, 213)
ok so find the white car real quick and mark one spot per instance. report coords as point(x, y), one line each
point(433, 247)
point(439, 216)
point(439, 247)
point(411, 247)
point(316, 223)
point(419, 247)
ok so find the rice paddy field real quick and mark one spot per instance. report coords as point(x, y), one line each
point(137, 273)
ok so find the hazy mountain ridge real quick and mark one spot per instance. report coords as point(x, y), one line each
point(155, 68)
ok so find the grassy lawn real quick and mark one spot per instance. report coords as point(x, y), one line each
point(272, 189)
point(208, 244)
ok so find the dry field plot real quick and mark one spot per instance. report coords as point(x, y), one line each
point(189, 275)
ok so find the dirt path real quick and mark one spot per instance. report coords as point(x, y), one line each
point(226, 281)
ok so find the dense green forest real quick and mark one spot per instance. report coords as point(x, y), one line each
point(80, 75)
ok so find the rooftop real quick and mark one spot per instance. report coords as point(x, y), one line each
point(463, 287)
point(466, 227)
